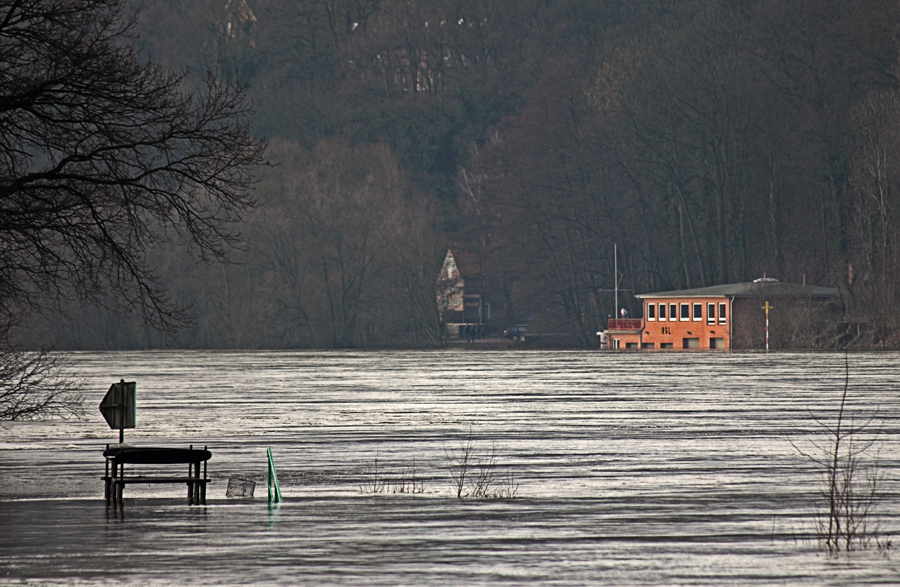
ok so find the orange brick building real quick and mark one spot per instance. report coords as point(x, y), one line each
point(704, 318)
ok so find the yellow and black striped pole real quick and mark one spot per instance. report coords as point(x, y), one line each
point(767, 307)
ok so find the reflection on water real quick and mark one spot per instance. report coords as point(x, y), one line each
point(644, 468)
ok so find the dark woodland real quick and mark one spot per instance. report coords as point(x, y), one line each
point(709, 141)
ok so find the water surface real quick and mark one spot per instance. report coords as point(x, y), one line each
point(628, 469)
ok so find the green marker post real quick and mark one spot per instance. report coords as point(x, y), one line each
point(274, 490)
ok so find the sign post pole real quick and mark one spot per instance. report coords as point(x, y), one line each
point(767, 307)
point(121, 406)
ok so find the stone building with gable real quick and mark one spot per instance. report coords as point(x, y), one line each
point(469, 293)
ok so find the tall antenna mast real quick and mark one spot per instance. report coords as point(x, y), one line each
point(616, 276)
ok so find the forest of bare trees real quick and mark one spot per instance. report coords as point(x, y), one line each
point(710, 141)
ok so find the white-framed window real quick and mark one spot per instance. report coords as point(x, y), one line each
point(698, 312)
point(722, 314)
point(685, 314)
point(651, 312)
point(672, 315)
point(662, 312)
point(710, 313)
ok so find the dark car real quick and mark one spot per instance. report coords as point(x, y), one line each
point(516, 333)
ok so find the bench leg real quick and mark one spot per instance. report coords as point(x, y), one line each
point(193, 493)
point(109, 486)
point(198, 495)
point(205, 481)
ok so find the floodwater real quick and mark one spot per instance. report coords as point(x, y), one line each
point(627, 469)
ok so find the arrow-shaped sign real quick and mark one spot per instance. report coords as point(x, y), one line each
point(119, 407)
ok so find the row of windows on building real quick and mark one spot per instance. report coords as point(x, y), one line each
point(687, 312)
point(686, 343)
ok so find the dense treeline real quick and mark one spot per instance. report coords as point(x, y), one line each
point(711, 141)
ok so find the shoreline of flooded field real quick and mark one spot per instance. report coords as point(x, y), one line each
point(631, 468)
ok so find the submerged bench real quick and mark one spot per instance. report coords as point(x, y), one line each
point(117, 457)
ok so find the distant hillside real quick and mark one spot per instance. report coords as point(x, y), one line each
point(713, 142)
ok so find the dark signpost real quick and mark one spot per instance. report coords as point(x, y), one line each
point(118, 407)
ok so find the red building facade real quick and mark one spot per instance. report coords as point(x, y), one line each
point(693, 322)
point(704, 318)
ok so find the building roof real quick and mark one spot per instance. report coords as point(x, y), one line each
point(477, 269)
point(467, 263)
point(750, 289)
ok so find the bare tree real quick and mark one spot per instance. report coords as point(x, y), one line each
point(104, 157)
point(478, 472)
point(346, 248)
point(341, 206)
point(539, 194)
point(875, 214)
point(36, 385)
point(413, 253)
point(846, 454)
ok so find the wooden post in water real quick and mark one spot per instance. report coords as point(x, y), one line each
point(203, 483)
point(190, 484)
point(106, 478)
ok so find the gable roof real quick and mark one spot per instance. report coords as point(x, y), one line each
point(467, 263)
point(477, 272)
point(749, 289)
